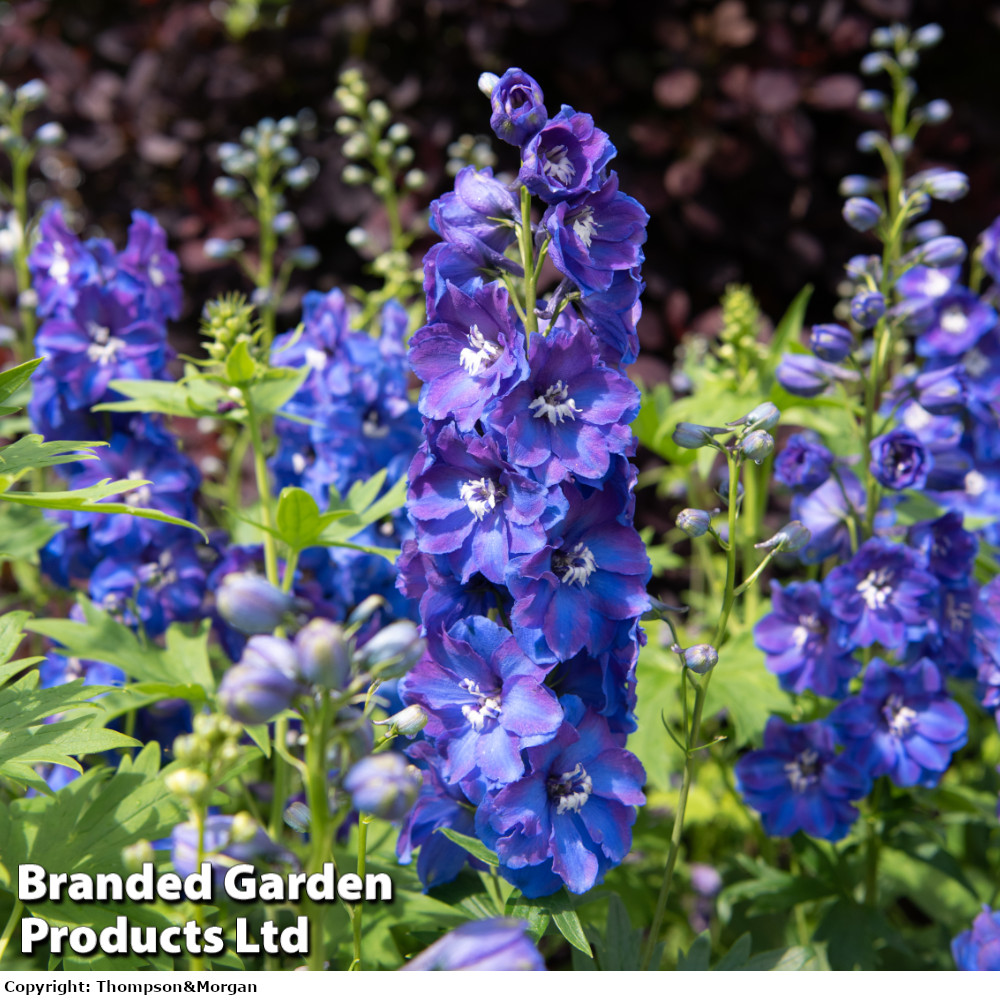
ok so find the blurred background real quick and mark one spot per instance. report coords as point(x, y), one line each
point(733, 120)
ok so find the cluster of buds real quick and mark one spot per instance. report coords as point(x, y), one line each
point(226, 322)
point(203, 755)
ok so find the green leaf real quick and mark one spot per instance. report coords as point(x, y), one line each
point(620, 949)
point(23, 531)
point(745, 689)
point(572, 930)
point(297, 518)
point(476, 848)
point(358, 510)
point(12, 379)
point(736, 956)
point(789, 326)
point(270, 393)
point(192, 396)
point(91, 500)
point(794, 959)
point(537, 917)
point(698, 955)
point(851, 932)
point(99, 637)
point(26, 739)
point(240, 366)
point(33, 452)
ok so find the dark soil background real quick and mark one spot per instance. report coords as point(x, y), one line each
point(734, 121)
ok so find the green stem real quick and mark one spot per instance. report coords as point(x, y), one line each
point(263, 190)
point(263, 491)
point(871, 864)
point(319, 818)
point(691, 736)
point(8, 931)
point(527, 262)
point(356, 915)
point(197, 962)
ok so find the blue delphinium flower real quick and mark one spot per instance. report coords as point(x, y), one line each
point(825, 511)
point(902, 723)
point(497, 944)
point(571, 414)
point(883, 594)
point(899, 461)
point(986, 645)
point(978, 949)
point(484, 699)
point(566, 158)
point(799, 782)
point(521, 500)
point(962, 318)
point(804, 464)
point(803, 643)
point(570, 816)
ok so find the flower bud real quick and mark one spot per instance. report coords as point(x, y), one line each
point(867, 308)
point(695, 435)
point(944, 185)
point(936, 112)
point(392, 650)
point(756, 446)
point(831, 341)
point(869, 141)
point(516, 103)
point(251, 604)
point(944, 391)
point(408, 722)
point(285, 222)
point(384, 785)
point(872, 100)
point(942, 251)
point(186, 782)
point(50, 134)
point(927, 37)
point(263, 683)
point(32, 93)
point(792, 537)
point(881, 38)
point(764, 416)
point(226, 187)
point(701, 658)
point(873, 62)
point(244, 828)
point(304, 257)
point(134, 856)
point(216, 249)
point(854, 185)
point(297, 816)
point(861, 214)
point(324, 657)
point(486, 83)
point(694, 523)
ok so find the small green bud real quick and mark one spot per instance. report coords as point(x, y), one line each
point(138, 854)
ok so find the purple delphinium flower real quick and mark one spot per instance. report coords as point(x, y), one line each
point(986, 645)
point(497, 944)
point(902, 723)
point(147, 258)
point(962, 318)
point(60, 264)
point(439, 805)
point(590, 575)
point(484, 699)
point(566, 158)
point(474, 506)
point(594, 236)
point(867, 308)
point(573, 809)
point(571, 414)
point(882, 594)
point(799, 782)
point(101, 337)
point(480, 208)
point(806, 376)
point(825, 512)
point(801, 641)
point(469, 354)
point(220, 848)
point(612, 316)
point(803, 464)
point(950, 549)
point(899, 461)
point(517, 104)
point(978, 949)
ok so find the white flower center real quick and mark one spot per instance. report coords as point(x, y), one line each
point(803, 771)
point(59, 268)
point(488, 707)
point(372, 426)
point(898, 716)
point(141, 495)
point(315, 358)
point(876, 588)
point(555, 404)
point(975, 483)
point(808, 626)
point(976, 363)
point(570, 790)
point(299, 463)
point(480, 354)
point(556, 165)
point(916, 417)
point(954, 321)
point(937, 283)
point(584, 225)
point(104, 347)
point(574, 566)
point(155, 272)
point(481, 496)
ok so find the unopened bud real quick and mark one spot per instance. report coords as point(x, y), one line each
point(700, 658)
point(694, 523)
